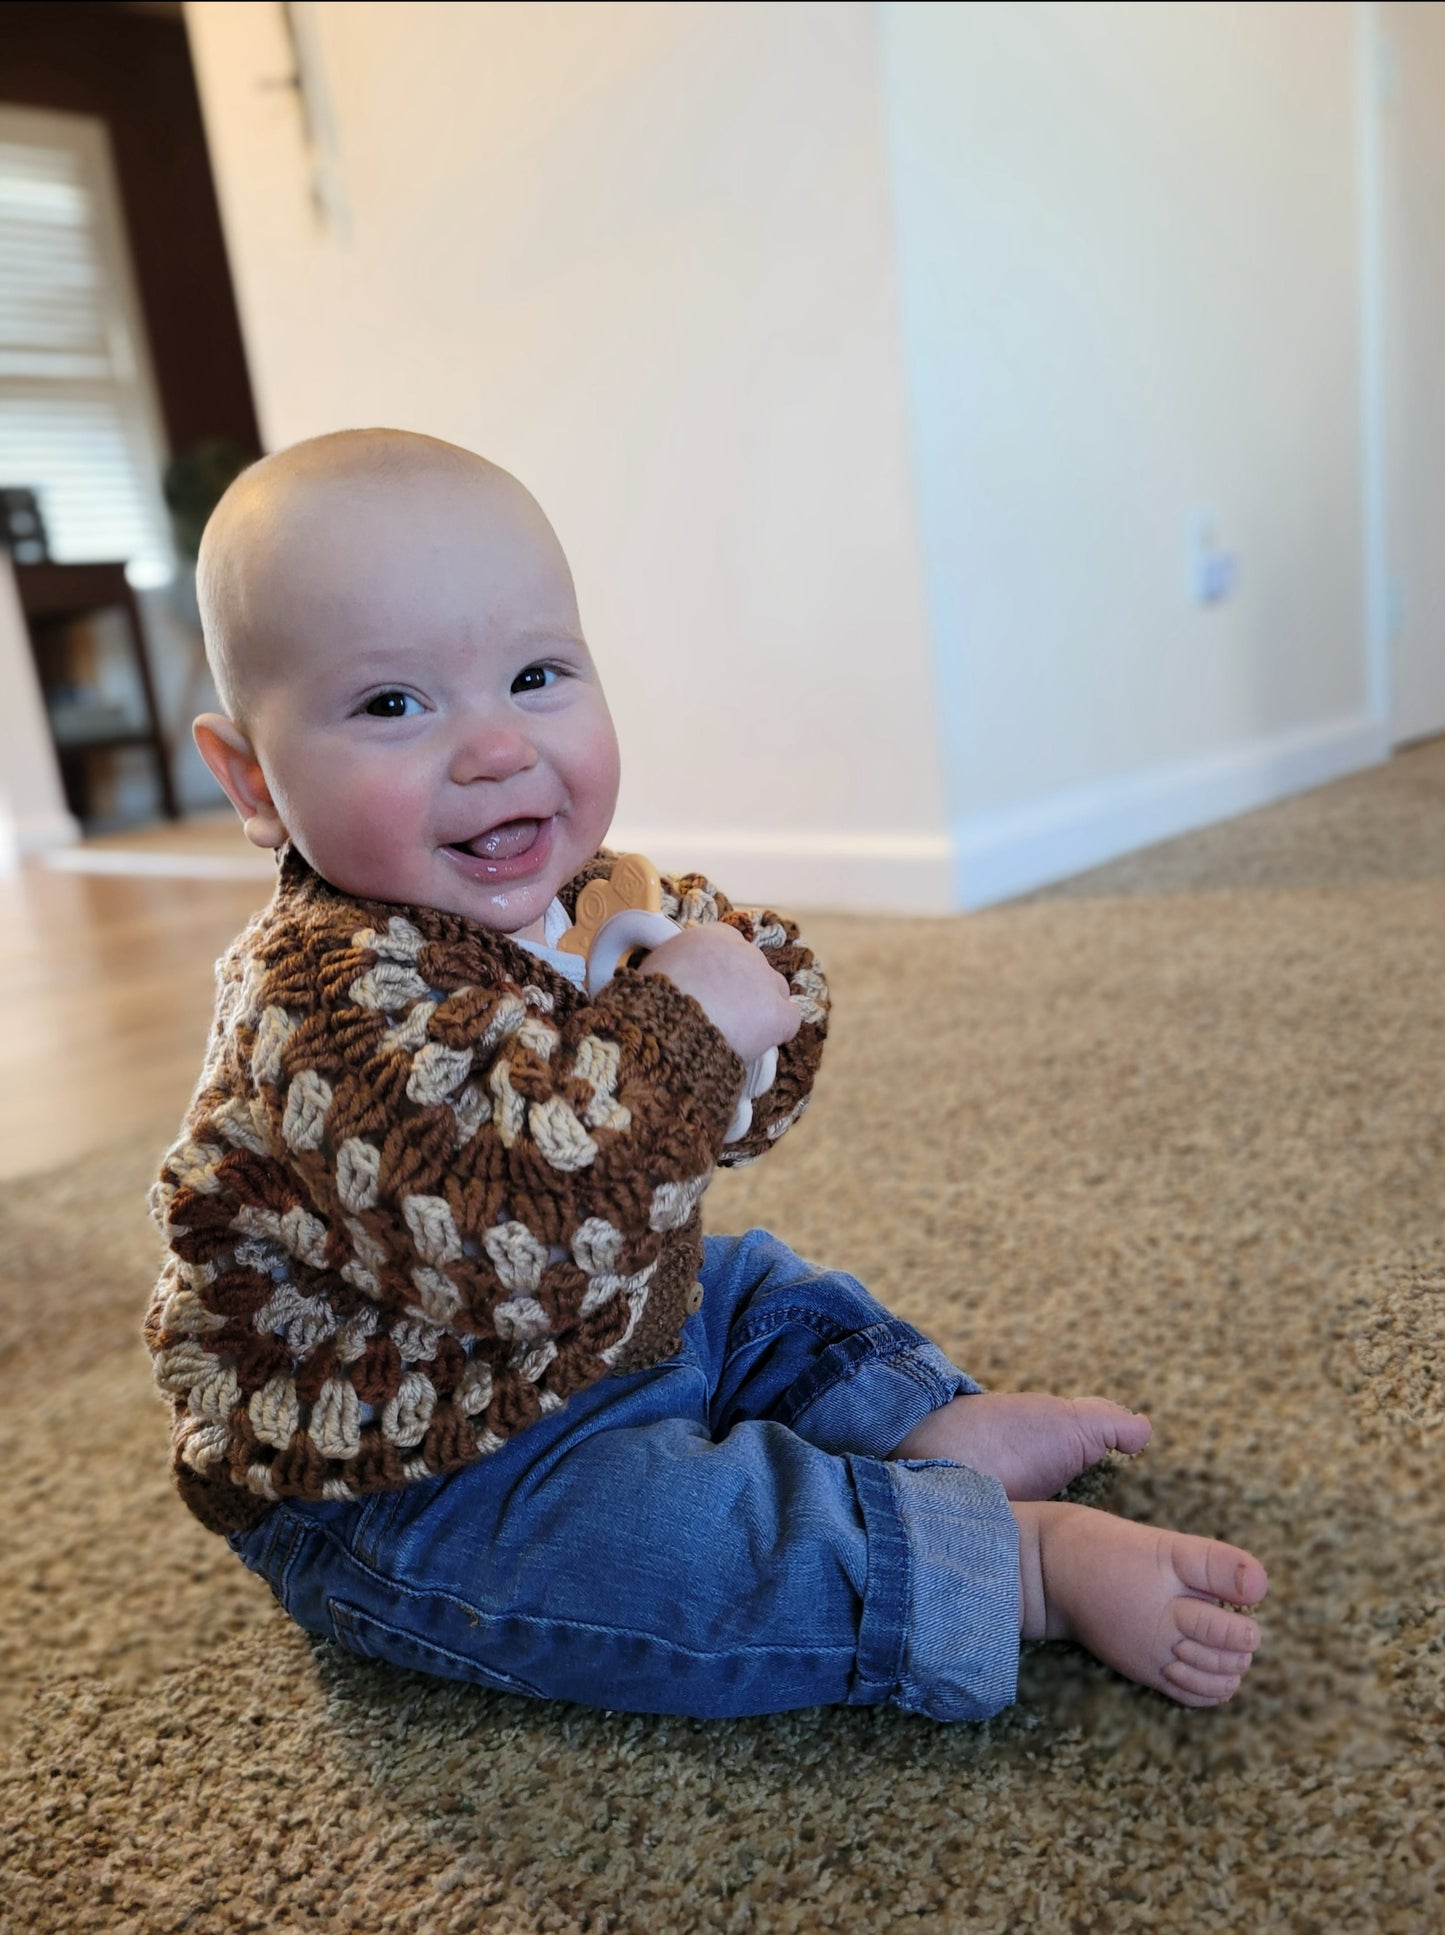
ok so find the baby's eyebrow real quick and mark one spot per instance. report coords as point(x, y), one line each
point(545, 635)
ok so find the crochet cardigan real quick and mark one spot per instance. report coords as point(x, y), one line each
point(427, 1188)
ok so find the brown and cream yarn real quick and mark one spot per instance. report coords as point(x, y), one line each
point(427, 1189)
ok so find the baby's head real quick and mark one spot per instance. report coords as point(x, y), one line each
point(409, 698)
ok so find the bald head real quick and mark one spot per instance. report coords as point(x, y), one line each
point(302, 537)
point(395, 637)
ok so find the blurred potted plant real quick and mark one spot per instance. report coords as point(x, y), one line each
point(194, 484)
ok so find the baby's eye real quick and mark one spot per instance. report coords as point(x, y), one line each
point(391, 705)
point(536, 678)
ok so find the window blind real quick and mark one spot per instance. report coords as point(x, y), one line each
point(76, 425)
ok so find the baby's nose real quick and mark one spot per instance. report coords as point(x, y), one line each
point(497, 752)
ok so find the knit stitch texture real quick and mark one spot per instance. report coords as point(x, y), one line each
point(427, 1189)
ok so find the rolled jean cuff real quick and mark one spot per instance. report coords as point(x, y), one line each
point(867, 1392)
point(956, 1620)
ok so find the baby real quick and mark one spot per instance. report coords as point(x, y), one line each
point(451, 1364)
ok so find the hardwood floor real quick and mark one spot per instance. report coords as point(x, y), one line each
point(106, 985)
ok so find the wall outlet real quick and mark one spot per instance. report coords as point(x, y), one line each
point(1213, 571)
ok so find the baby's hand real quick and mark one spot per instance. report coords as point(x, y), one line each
point(745, 1000)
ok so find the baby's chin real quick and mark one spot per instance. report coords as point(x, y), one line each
point(512, 911)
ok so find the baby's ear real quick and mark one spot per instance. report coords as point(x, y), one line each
point(232, 758)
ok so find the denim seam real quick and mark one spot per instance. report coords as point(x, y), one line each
point(766, 1322)
point(887, 1593)
point(373, 1526)
point(350, 1623)
point(422, 1594)
point(288, 1540)
point(902, 1360)
point(898, 1348)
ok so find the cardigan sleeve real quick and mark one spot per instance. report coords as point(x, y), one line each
point(691, 900)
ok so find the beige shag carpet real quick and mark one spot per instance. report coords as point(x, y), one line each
point(1181, 1138)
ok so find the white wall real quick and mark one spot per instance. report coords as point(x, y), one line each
point(1409, 95)
point(871, 362)
point(1128, 239)
point(639, 254)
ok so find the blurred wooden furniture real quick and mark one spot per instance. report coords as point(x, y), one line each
point(52, 596)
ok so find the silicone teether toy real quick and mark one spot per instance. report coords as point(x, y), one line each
point(634, 882)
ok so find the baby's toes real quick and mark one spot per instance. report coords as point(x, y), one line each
point(1215, 1629)
point(1211, 1659)
point(1217, 1570)
point(1197, 1688)
point(1104, 1426)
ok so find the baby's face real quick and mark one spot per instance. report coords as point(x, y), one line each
point(423, 706)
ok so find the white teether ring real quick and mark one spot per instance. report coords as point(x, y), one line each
point(618, 935)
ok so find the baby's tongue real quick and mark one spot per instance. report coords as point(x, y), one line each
point(504, 842)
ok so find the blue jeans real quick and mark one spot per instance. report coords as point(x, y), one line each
point(717, 1535)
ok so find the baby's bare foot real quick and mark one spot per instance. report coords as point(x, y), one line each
point(1031, 1442)
point(1142, 1600)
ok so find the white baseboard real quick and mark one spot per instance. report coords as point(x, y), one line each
point(806, 871)
point(1001, 854)
point(34, 833)
point(140, 863)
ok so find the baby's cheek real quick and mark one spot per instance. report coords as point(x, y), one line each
point(372, 838)
point(596, 774)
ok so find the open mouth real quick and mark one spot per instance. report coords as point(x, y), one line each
point(503, 842)
point(504, 852)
